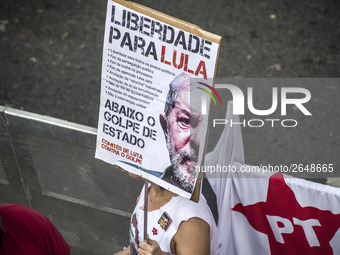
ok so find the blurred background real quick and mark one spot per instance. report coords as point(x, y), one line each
point(51, 50)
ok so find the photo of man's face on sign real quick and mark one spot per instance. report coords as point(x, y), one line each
point(182, 126)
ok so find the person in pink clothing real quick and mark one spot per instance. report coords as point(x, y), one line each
point(25, 231)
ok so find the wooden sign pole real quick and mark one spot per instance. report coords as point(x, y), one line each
point(146, 193)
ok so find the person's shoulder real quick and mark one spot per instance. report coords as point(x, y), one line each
point(185, 202)
point(10, 206)
point(21, 212)
point(14, 208)
point(192, 209)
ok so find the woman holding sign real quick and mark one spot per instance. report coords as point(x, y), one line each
point(177, 226)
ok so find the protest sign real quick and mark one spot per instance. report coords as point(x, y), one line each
point(144, 51)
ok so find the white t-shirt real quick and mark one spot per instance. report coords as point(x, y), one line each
point(164, 222)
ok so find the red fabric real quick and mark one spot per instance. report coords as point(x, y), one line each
point(28, 232)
